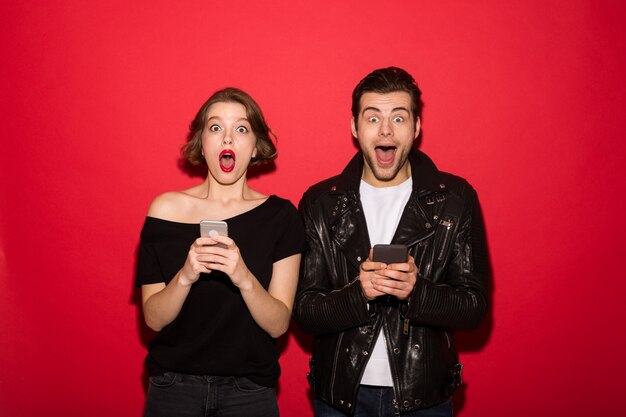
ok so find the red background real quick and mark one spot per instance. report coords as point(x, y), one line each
point(523, 98)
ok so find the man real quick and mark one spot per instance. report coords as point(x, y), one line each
point(383, 342)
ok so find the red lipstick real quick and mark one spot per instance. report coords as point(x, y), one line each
point(227, 160)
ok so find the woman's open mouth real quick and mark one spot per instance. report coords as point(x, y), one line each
point(227, 160)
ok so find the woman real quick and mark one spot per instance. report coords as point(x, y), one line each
point(219, 302)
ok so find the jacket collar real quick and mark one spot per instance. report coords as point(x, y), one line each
point(426, 177)
point(348, 226)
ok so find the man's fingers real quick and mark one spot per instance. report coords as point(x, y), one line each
point(392, 286)
point(372, 266)
point(396, 275)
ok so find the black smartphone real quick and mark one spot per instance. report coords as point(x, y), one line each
point(391, 254)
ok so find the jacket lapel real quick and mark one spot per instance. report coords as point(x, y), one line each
point(348, 225)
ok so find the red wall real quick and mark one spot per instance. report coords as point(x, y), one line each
point(523, 98)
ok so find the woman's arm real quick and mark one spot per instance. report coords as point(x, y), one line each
point(270, 309)
point(162, 303)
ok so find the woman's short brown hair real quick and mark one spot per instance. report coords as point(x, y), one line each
point(266, 150)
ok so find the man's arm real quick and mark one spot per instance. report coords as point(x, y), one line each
point(320, 306)
point(460, 302)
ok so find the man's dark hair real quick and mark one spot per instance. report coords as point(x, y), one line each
point(388, 80)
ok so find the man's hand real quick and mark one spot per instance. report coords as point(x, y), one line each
point(398, 279)
point(367, 274)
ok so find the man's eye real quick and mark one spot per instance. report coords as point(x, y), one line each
point(215, 128)
point(242, 129)
point(373, 119)
point(398, 119)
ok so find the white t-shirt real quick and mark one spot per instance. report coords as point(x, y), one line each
point(383, 207)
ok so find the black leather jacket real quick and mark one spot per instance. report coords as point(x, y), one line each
point(443, 228)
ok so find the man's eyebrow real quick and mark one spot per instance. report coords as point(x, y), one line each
point(370, 108)
point(378, 110)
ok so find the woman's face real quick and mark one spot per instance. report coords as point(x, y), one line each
point(228, 143)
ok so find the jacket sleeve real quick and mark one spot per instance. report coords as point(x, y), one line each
point(322, 305)
point(460, 300)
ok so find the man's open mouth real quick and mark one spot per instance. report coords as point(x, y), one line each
point(385, 154)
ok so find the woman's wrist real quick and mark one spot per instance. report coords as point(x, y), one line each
point(247, 283)
point(185, 281)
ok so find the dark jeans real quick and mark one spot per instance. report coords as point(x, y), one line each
point(180, 395)
point(378, 402)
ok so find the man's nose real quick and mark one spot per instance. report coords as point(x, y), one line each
point(385, 129)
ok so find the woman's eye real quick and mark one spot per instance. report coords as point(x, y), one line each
point(215, 128)
point(242, 129)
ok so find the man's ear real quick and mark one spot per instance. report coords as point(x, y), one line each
point(418, 125)
point(353, 125)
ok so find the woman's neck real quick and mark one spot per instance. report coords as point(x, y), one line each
point(225, 193)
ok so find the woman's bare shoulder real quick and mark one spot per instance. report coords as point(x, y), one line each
point(170, 205)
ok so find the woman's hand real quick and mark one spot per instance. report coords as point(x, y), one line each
point(162, 303)
point(226, 258)
point(271, 308)
point(197, 261)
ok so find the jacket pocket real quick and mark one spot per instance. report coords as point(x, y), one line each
point(165, 380)
point(455, 378)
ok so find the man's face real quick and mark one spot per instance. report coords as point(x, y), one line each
point(386, 132)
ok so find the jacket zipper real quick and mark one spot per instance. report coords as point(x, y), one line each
point(332, 378)
point(415, 242)
point(447, 223)
point(405, 327)
point(392, 364)
point(406, 323)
